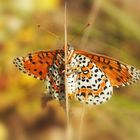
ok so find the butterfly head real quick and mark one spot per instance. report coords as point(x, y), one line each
point(70, 49)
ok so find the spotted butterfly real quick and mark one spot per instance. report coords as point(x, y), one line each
point(90, 77)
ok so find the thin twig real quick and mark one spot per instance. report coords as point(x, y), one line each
point(66, 49)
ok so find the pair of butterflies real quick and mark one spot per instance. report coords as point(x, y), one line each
point(90, 77)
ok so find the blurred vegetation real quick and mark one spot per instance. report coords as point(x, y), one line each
point(24, 26)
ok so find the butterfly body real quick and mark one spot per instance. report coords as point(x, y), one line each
point(90, 77)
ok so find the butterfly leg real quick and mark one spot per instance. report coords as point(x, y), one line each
point(72, 70)
point(60, 57)
point(70, 57)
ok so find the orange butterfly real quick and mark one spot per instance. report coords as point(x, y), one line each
point(90, 77)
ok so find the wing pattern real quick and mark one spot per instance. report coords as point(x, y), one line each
point(120, 74)
point(88, 83)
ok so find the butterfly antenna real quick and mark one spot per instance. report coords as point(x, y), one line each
point(50, 33)
point(81, 31)
point(54, 35)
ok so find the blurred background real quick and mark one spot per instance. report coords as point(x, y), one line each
point(25, 27)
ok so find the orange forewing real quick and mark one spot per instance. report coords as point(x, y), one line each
point(36, 64)
point(116, 71)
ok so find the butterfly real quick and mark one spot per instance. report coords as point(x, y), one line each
point(90, 76)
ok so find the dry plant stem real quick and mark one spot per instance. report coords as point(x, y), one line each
point(66, 49)
point(81, 126)
point(92, 17)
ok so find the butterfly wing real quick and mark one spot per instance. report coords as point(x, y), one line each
point(36, 64)
point(87, 82)
point(54, 82)
point(120, 74)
